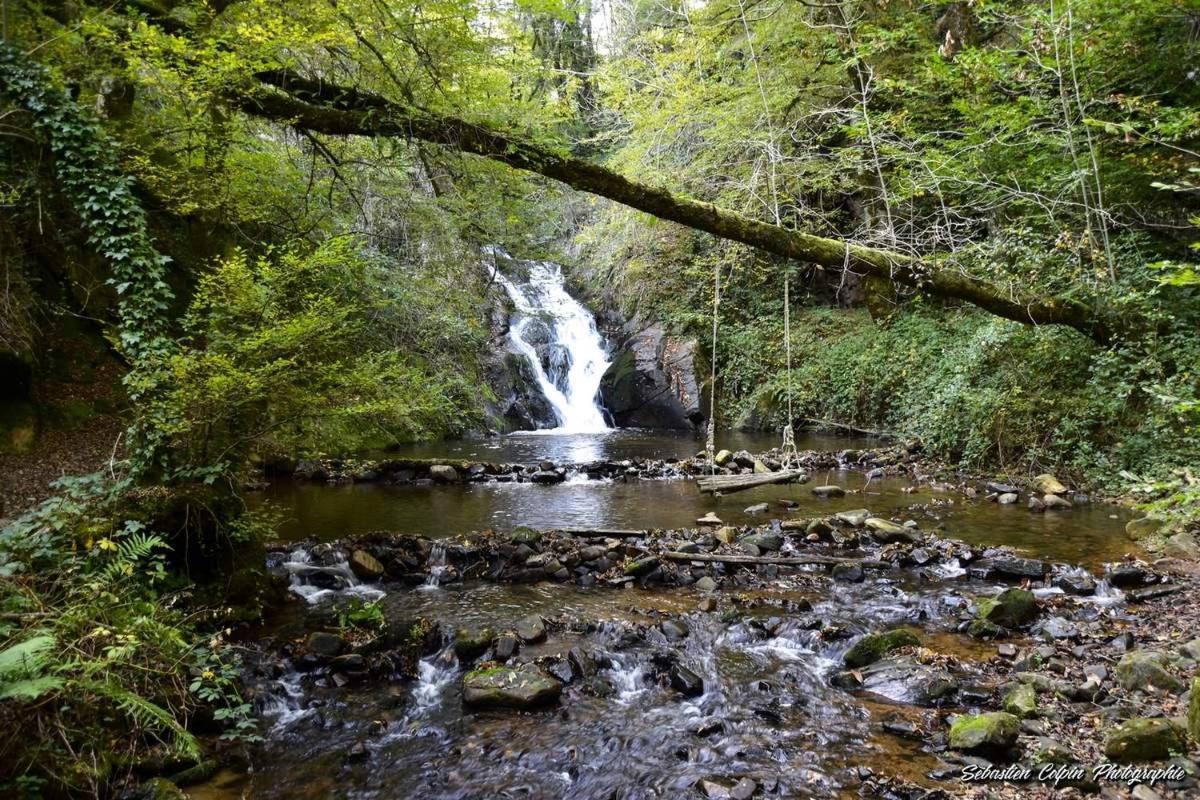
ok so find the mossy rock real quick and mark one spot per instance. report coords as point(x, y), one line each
point(525, 535)
point(1021, 701)
point(522, 687)
point(1143, 527)
point(992, 732)
point(1193, 716)
point(1145, 669)
point(1144, 739)
point(875, 646)
point(641, 567)
point(1012, 608)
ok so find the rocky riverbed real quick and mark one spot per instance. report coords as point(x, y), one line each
point(815, 656)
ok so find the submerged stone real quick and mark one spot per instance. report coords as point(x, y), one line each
point(831, 490)
point(531, 629)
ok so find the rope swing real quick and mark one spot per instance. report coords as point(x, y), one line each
point(711, 444)
point(788, 453)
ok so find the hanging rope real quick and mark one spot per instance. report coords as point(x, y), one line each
point(788, 449)
point(711, 445)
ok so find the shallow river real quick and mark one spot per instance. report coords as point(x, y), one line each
point(1089, 534)
point(768, 712)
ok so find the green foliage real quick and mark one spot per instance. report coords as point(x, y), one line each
point(362, 615)
point(89, 643)
point(306, 350)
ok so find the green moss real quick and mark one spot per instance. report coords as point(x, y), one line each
point(875, 646)
point(1144, 739)
point(996, 730)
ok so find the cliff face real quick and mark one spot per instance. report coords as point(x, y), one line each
point(652, 381)
point(515, 403)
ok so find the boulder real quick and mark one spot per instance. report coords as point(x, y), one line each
point(1021, 701)
point(831, 490)
point(324, 644)
point(470, 643)
point(1048, 484)
point(1143, 669)
point(527, 536)
point(1144, 739)
point(726, 534)
point(855, 518)
point(1007, 499)
point(1012, 567)
point(1012, 608)
point(1053, 502)
point(723, 457)
point(443, 473)
point(848, 572)
point(686, 682)
point(993, 732)
point(1142, 528)
point(886, 532)
point(531, 629)
point(521, 687)
point(651, 382)
point(766, 542)
point(365, 566)
point(900, 679)
point(875, 646)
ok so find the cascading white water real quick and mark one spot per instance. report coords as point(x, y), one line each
point(572, 392)
point(437, 566)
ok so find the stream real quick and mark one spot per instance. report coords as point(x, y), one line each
point(763, 717)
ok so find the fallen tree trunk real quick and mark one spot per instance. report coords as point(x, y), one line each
point(738, 483)
point(321, 107)
point(783, 561)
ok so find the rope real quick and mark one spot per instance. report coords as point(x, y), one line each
point(788, 448)
point(711, 444)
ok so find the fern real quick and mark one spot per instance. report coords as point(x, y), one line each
point(21, 667)
point(147, 714)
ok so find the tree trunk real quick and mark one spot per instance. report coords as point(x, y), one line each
point(339, 111)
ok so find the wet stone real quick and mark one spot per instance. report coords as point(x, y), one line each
point(829, 491)
point(684, 681)
point(1081, 585)
point(674, 629)
point(855, 518)
point(507, 646)
point(522, 687)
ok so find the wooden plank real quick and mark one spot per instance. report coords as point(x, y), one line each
point(737, 483)
point(783, 561)
point(615, 533)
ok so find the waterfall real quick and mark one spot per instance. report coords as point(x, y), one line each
point(576, 355)
point(437, 566)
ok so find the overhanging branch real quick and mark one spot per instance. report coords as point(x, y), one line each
point(340, 111)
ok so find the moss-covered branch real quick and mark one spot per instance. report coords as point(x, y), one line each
point(324, 108)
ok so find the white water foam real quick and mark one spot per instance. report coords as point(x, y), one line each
point(573, 395)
